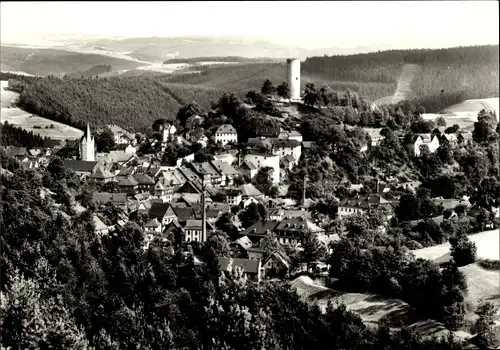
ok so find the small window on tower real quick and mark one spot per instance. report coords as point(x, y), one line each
point(296, 78)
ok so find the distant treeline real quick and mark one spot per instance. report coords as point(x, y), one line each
point(15, 136)
point(448, 76)
point(221, 59)
point(96, 70)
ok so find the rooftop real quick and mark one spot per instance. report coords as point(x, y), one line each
point(226, 129)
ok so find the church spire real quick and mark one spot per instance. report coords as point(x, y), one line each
point(88, 132)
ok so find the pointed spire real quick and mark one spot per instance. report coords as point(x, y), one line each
point(88, 131)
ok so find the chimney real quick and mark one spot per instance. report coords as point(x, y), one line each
point(203, 213)
point(304, 191)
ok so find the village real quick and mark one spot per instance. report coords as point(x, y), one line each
point(191, 197)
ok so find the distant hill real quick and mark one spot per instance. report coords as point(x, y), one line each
point(44, 62)
point(238, 59)
point(158, 49)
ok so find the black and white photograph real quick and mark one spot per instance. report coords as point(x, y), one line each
point(249, 175)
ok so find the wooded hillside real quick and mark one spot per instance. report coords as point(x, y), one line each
point(133, 102)
point(447, 76)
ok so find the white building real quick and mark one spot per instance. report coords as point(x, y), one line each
point(432, 143)
point(87, 146)
point(262, 160)
point(122, 136)
point(168, 132)
point(284, 148)
point(193, 231)
point(226, 134)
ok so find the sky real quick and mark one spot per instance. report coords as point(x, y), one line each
point(299, 23)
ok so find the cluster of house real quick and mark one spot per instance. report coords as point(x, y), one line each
point(437, 138)
point(431, 141)
point(173, 197)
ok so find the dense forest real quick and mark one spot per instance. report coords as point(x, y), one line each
point(447, 76)
point(12, 135)
point(133, 103)
point(65, 287)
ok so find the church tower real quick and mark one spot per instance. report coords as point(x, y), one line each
point(87, 146)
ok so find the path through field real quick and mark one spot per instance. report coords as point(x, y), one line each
point(403, 90)
point(31, 122)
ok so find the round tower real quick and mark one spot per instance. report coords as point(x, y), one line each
point(293, 77)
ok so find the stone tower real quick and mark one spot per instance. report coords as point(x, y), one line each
point(293, 77)
point(87, 147)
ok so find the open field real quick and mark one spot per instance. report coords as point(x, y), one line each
point(465, 114)
point(482, 283)
point(475, 105)
point(487, 244)
point(370, 307)
point(28, 121)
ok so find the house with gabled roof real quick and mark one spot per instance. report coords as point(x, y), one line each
point(122, 136)
point(227, 171)
point(251, 268)
point(229, 156)
point(259, 143)
point(145, 183)
point(225, 134)
point(153, 226)
point(102, 176)
point(127, 184)
point(262, 160)
point(363, 204)
point(164, 212)
point(293, 229)
point(448, 139)
point(250, 191)
point(209, 173)
point(81, 167)
point(232, 196)
point(239, 247)
point(248, 168)
point(417, 141)
point(287, 147)
point(117, 199)
point(193, 231)
point(100, 227)
point(277, 265)
point(17, 152)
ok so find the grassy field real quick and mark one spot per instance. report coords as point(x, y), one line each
point(482, 284)
point(370, 307)
point(465, 114)
point(34, 123)
point(487, 244)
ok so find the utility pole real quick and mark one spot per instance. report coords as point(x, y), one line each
point(203, 212)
